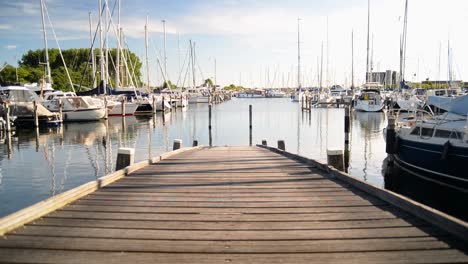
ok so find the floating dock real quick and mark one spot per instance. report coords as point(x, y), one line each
point(231, 205)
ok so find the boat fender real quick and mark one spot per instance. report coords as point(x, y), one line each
point(445, 150)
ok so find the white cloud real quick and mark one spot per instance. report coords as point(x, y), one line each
point(10, 47)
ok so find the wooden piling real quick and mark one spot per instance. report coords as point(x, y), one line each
point(106, 111)
point(250, 125)
point(346, 130)
point(281, 145)
point(60, 103)
point(391, 136)
point(125, 157)
point(123, 106)
point(195, 143)
point(177, 144)
point(8, 121)
point(209, 126)
point(335, 158)
point(163, 107)
point(36, 119)
point(264, 142)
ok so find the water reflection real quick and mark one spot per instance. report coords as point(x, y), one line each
point(367, 146)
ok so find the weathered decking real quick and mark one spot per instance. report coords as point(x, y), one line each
point(229, 205)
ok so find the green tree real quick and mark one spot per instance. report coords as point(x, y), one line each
point(79, 68)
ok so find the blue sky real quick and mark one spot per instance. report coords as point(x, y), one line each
point(255, 42)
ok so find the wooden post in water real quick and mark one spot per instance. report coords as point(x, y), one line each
point(335, 158)
point(264, 142)
point(391, 136)
point(209, 125)
point(60, 103)
point(347, 125)
point(8, 121)
point(36, 119)
point(106, 115)
point(123, 106)
point(281, 145)
point(250, 125)
point(195, 143)
point(163, 107)
point(177, 144)
point(125, 157)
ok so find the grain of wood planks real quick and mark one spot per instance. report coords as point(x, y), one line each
point(231, 204)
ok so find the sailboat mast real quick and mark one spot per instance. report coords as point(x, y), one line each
point(46, 49)
point(368, 41)
point(403, 47)
point(93, 58)
point(101, 50)
point(352, 60)
point(117, 59)
point(146, 55)
point(321, 69)
point(215, 71)
point(298, 54)
point(165, 54)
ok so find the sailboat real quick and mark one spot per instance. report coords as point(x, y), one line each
point(370, 99)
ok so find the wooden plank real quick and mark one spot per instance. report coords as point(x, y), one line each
point(213, 225)
point(91, 257)
point(224, 217)
point(245, 205)
point(241, 247)
point(229, 235)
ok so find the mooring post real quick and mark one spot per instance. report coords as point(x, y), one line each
point(281, 145)
point(154, 104)
point(264, 142)
point(125, 157)
point(347, 125)
point(391, 136)
point(8, 124)
point(123, 106)
point(250, 125)
point(209, 125)
point(177, 144)
point(195, 143)
point(302, 102)
point(335, 158)
point(163, 107)
point(105, 108)
point(36, 119)
point(60, 104)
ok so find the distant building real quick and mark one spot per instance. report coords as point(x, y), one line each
point(387, 78)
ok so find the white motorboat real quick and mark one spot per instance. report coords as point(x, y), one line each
point(369, 100)
point(75, 108)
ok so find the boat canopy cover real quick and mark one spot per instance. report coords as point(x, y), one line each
point(456, 105)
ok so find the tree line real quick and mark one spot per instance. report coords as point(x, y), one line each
point(31, 68)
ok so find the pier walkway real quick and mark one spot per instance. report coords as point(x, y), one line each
point(230, 205)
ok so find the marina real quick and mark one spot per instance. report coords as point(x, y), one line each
point(158, 138)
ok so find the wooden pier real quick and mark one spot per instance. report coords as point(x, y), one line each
point(236, 205)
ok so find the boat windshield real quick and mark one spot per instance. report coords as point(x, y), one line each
point(19, 96)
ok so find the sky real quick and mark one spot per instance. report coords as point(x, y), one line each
point(254, 42)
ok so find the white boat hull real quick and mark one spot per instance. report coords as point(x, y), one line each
point(84, 115)
point(130, 109)
point(368, 106)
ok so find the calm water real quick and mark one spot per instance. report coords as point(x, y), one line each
point(35, 166)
